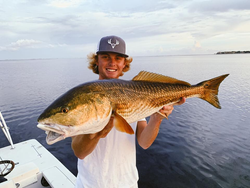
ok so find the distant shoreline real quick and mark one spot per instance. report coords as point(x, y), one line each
point(233, 52)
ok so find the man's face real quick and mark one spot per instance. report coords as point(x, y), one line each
point(110, 65)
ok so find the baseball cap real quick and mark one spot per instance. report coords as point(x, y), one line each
point(112, 44)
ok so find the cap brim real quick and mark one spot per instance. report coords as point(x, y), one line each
point(105, 51)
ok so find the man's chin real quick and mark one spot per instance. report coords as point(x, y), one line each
point(112, 75)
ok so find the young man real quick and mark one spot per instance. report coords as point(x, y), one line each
point(107, 159)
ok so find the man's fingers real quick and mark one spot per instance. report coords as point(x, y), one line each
point(107, 128)
point(182, 100)
point(167, 110)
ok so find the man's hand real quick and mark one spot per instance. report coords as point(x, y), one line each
point(167, 110)
point(104, 132)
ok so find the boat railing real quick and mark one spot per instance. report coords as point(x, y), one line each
point(5, 129)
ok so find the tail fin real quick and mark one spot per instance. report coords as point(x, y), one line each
point(211, 88)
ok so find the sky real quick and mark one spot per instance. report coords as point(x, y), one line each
point(34, 29)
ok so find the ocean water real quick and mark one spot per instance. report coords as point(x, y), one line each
point(198, 146)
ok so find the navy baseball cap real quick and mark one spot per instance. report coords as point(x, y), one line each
point(112, 44)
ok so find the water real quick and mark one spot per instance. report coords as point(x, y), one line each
point(199, 146)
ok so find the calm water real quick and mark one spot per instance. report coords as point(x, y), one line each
point(199, 146)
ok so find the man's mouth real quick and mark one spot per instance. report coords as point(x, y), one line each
point(111, 70)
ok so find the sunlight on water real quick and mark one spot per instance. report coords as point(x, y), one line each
point(199, 146)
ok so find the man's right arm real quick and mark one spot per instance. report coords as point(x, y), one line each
point(84, 144)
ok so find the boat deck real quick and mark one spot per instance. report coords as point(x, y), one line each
point(32, 163)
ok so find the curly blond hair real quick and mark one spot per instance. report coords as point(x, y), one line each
point(92, 60)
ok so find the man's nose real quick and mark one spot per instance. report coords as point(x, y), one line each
point(111, 61)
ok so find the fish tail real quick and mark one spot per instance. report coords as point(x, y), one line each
point(211, 89)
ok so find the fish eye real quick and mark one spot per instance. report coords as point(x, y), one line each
point(65, 110)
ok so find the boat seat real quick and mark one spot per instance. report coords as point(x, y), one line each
point(22, 175)
point(56, 178)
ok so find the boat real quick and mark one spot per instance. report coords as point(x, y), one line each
point(29, 164)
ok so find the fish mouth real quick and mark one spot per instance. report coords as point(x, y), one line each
point(53, 133)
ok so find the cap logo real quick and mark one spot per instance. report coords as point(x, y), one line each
point(113, 44)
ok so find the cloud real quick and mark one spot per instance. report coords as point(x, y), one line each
point(23, 43)
point(64, 3)
point(28, 43)
point(197, 44)
point(129, 6)
point(149, 27)
point(204, 6)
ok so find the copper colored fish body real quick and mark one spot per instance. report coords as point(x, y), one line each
point(88, 107)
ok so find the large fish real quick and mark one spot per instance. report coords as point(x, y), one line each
point(88, 107)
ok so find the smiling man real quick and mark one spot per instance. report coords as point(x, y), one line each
point(111, 64)
point(107, 159)
point(110, 61)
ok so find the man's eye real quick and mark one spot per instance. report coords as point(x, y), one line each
point(118, 58)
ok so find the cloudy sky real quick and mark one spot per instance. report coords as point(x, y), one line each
point(72, 28)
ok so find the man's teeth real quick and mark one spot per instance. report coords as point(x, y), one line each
point(111, 70)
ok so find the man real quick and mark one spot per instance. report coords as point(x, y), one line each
point(107, 159)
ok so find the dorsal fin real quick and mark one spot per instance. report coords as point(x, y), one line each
point(153, 77)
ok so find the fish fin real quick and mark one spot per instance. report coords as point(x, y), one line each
point(163, 115)
point(211, 89)
point(153, 77)
point(121, 124)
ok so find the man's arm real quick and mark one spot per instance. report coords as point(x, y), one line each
point(147, 133)
point(84, 144)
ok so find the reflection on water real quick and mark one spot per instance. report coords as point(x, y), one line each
point(199, 146)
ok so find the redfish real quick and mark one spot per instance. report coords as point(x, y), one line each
point(87, 108)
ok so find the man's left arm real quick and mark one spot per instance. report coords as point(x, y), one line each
point(147, 133)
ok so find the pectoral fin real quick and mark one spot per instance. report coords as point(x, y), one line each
point(121, 124)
